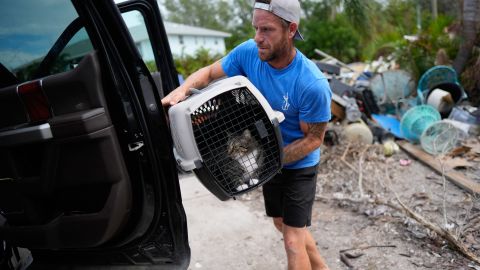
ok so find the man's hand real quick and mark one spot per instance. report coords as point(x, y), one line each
point(174, 97)
point(197, 80)
point(313, 138)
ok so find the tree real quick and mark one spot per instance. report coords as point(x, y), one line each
point(357, 11)
point(203, 13)
point(336, 38)
point(470, 21)
point(188, 64)
point(241, 27)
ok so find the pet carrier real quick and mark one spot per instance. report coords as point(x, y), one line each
point(229, 136)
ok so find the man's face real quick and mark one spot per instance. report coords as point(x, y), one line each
point(271, 35)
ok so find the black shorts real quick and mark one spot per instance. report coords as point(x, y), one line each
point(290, 194)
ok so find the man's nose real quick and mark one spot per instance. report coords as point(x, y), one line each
point(258, 37)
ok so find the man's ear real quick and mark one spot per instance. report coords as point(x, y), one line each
point(292, 29)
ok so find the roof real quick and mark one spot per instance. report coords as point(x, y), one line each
point(187, 30)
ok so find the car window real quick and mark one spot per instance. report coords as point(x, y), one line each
point(29, 30)
point(73, 52)
point(136, 25)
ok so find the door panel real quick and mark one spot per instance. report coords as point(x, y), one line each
point(64, 182)
point(12, 112)
point(77, 90)
point(95, 182)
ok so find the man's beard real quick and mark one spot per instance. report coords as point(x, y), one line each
point(273, 53)
point(268, 57)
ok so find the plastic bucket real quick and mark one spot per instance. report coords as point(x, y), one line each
point(454, 89)
point(416, 120)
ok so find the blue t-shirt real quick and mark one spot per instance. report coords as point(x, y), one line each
point(300, 91)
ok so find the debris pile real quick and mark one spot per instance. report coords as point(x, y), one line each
point(377, 110)
point(379, 103)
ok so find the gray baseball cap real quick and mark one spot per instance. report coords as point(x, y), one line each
point(288, 10)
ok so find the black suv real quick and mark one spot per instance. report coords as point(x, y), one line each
point(87, 172)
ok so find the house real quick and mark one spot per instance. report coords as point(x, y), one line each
point(186, 40)
point(183, 40)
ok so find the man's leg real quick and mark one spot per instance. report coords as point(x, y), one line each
point(316, 260)
point(291, 195)
point(295, 246)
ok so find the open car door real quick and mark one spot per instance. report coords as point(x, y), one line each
point(87, 172)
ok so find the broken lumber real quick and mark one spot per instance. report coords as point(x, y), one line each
point(456, 178)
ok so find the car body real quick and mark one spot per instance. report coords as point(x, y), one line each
point(87, 172)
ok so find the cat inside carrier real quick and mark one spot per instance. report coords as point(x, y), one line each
point(229, 136)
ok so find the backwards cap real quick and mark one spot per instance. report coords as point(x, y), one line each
point(288, 10)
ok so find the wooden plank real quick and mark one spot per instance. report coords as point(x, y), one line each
point(338, 111)
point(457, 178)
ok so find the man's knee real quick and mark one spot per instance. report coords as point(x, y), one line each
point(294, 239)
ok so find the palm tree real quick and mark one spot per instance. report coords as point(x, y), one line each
point(470, 21)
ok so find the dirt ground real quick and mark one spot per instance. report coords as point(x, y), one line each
point(367, 222)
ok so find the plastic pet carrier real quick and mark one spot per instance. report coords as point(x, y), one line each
point(229, 136)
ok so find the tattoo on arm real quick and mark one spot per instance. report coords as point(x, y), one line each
point(313, 138)
point(317, 130)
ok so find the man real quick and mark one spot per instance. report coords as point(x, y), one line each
point(293, 85)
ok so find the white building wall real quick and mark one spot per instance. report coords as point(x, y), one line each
point(191, 44)
point(181, 44)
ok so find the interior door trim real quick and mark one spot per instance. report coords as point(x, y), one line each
point(31, 134)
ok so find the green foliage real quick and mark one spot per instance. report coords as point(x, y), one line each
point(380, 44)
point(350, 30)
point(151, 65)
point(320, 10)
point(203, 13)
point(402, 15)
point(242, 29)
point(336, 38)
point(187, 64)
point(238, 36)
point(357, 12)
point(418, 56)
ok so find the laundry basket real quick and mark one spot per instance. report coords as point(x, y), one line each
point(229, 136)
point(416, 120)
point(439, 138)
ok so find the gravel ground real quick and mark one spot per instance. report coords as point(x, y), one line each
point(236, 234)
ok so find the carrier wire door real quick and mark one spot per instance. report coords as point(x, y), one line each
point(229, 136)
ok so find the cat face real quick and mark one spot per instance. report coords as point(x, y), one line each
point(240, 145)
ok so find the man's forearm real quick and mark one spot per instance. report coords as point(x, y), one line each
point(314, 134)
point(198, 80)
point(299, 149)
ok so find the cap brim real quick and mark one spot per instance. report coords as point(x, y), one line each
point(298, 36)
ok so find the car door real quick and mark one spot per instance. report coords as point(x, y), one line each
point(87, 173)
